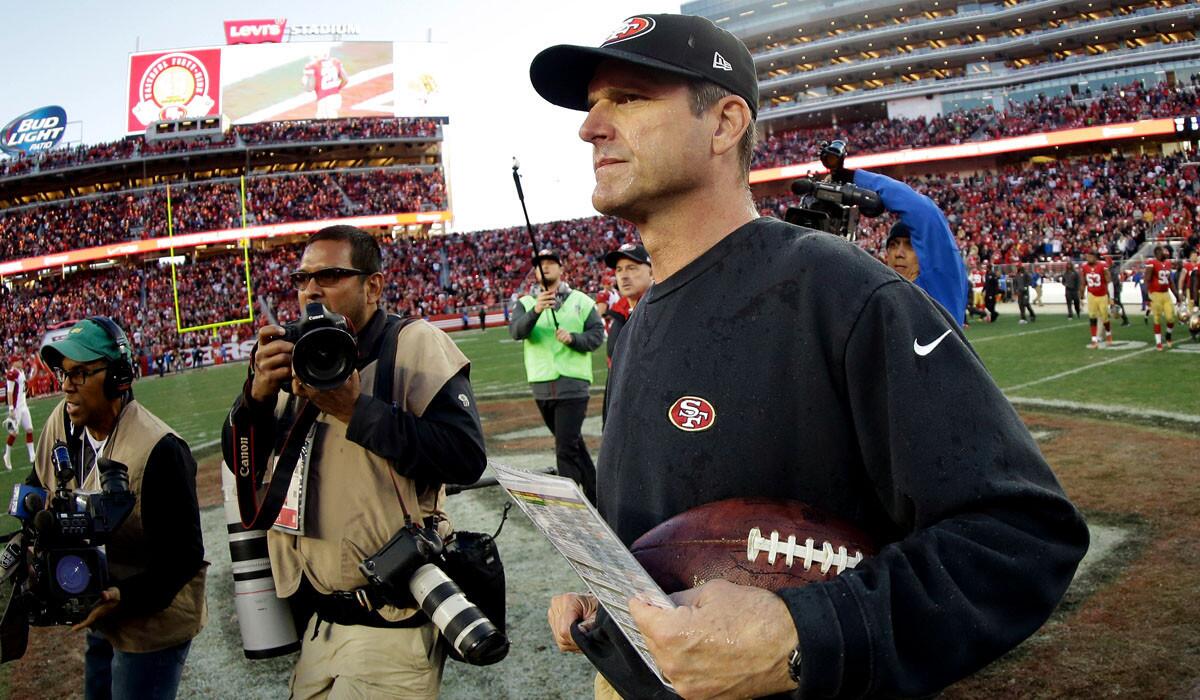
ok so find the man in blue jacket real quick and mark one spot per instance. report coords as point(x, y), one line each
point(920, 245)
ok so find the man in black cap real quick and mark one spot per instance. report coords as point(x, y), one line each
point(558, 362)
point(810, 372)
point(631, 263)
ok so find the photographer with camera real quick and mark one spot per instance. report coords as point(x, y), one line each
point(153, 603)
point(370, 462)
point(920, 246)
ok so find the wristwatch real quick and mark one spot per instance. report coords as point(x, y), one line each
point(794, 665)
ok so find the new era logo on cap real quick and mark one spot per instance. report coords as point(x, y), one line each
point(720, 62)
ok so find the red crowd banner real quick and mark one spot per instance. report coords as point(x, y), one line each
point(254, 31)
point(1049, 139)
point(224, 236)
point(173, 85)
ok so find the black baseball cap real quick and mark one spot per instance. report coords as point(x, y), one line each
point(685, 45)
point(634, 251)
point(898, 230)
point(547, 254)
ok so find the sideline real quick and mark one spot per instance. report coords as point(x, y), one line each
point(1140, 415)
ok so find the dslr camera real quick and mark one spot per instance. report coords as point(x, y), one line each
point(409, 568)
point(833, 206)
point(57, 561)
point(325, 352)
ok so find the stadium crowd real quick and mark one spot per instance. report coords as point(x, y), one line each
point(239, 136)
point(1025, 213)
point(210, 205)
point(1110, 105)
point(1039, 213)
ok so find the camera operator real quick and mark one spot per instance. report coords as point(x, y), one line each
point(369, 462)
point(140, 633)
point(920, 245)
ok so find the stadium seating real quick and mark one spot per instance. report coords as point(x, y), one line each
point(355, 128)
point(213, 205)
point(1111, 105)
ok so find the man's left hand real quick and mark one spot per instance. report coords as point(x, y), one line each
point(563, 336)
point(338, 402)
point(110, 598)
point(724, 640)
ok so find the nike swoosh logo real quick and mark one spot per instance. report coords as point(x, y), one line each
point(923, 350)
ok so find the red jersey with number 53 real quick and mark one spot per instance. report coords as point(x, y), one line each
point(1095, 278)
point(1158, 275)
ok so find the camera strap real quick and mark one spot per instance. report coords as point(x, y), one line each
point(385, 382)
point(259, 511)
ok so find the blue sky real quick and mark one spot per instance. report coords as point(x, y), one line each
point(75, 54)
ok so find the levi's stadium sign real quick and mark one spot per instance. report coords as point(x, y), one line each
point(254, 31)
point(35, 131)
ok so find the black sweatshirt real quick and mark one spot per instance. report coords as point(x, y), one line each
point(170, 526)
point(835, 382)
point(442, 446)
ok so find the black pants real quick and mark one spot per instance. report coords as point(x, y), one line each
point(1023, 305)
point(564, 418)
point(989, 300)
point(1073, 300)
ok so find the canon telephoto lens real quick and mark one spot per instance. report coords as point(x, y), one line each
point(468, 630)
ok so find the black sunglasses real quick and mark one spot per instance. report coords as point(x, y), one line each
point(325, 278)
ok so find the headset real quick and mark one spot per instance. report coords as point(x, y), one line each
point(119, 377)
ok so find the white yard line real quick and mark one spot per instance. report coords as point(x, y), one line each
point(1069, 372)
point(1020, 333)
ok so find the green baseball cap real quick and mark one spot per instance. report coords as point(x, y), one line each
point(85, 342)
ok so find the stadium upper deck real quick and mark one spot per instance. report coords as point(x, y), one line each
point(263, 148)
point(846, 60)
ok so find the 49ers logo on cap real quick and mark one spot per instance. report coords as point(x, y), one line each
point(634, 26)
point(692, 414)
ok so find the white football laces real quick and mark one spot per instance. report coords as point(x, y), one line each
point(825, 555)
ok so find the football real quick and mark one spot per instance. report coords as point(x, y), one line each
point(761, 542)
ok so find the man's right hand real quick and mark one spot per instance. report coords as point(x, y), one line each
point(272, 364)
point(545, 300)
point(566, 610)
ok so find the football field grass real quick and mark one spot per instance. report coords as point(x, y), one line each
point(1124, 627)
point(1047, 361)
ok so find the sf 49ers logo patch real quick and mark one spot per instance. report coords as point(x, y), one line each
point(634, 26)
point(692, 414)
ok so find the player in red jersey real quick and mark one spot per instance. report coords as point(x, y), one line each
point(326, 76)
point(1095, 279)
point(18, 414)
point(1158, 283)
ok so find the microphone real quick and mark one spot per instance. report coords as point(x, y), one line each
point(60, 457)
point(46, 527)
point(802, 186)
point(26, 500)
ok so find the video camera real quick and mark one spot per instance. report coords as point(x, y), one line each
point(833, 206)
point(57, 561)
